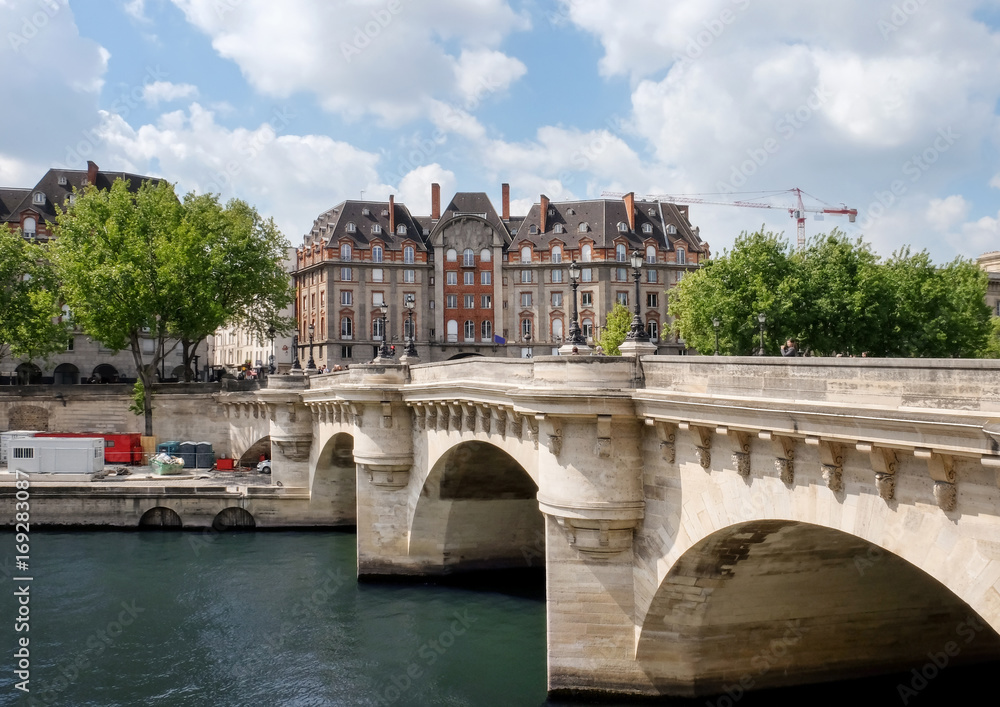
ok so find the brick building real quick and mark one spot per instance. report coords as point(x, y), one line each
point(476, 274)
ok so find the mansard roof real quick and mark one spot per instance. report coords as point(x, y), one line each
point(332, 226)
point(474, 203)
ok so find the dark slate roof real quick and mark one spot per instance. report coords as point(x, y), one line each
point(478, 204)
point(9, 200)
point(331, 226)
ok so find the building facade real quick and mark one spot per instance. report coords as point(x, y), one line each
point(483, 282)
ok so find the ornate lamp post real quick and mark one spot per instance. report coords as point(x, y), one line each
point(576, 337)
point(296, 366)
point(312, 363)
point(762, 318)
point(410, 301)
point(270, 358)
point(383, 351)
point(715, 325)
point(638, 331)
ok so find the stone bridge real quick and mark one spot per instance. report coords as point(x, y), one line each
point(705, 524)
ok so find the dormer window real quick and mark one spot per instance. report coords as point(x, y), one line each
point(552, 212)
point(620, 253)
point(29, 227)
point(526, 254)
point(62, 181)
point(533, 230)
point(376, 228)
point(647, 228)
point(584, 227)
point(556, 254)
point(558, 228)
point(351, 228)
point(385, 212)
point(345, 250)
point(672, 230)
point(681, 256)
point(622, 227)
point(400, 230)
point(377, 254)
point(571, 212)
point(38, 198)
point(365, 212)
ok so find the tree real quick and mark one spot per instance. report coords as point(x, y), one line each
point(30, 319)
point(617, 327)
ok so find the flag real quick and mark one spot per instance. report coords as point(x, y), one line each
point(497, 339)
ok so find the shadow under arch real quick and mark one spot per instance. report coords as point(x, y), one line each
point(234, 518)
point(253, 454)
point(160, 518)
point(334, 481)
point(478, 509)
point(775, 603)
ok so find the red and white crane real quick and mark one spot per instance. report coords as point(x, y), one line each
point(797, 212)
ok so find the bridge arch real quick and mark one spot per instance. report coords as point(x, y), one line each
point(160, 517)
point(334, 480)
point(234, 518)
point(477, 508)
point(779, 602)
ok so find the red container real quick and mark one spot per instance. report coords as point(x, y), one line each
point(224, 464)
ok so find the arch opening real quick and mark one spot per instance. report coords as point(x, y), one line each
point(66, 374)
point(160, 518)
point(335, 479)
point(467, 354)
point(256, 452)
point(28, 374)
point(478, 510)
point(234, 518)
point(104, 373)
point(777, 603)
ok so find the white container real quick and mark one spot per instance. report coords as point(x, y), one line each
point(6, 437)
point(57, 455)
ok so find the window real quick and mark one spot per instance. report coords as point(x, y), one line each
point(451, 277)
point(584, 227)
point(409, 329)
point(451, 301)
point(377, 254)
point(526, 276)
point(345, 274)
point(586, 251)
point(557, 276)
point(525, 328)
point(376, 229)
point(469, 278)
point(486, 301)
point(525, 299)
point(470, 330)
point(408, 252)
point(650, 254)
point(620, 253)
point(468, 258)
point(622, 298)
point(586, 299)
point(377, 299)
point(526, 254)
point(484, 255)
point(365, 211)
point(346, 297)
point(621, 275)
point(557, 299)
point(622, 227)
point(38, 198)
point(378, 275)
point(651, 275)
point(558, 228)
point(680, 275)
point(487, 330)
point(588, 328)
point(351, 228)
point(452, 330)
point(430, 304)
point(681, 256)
point(408, 276)
point(470, 302)
point(557, 329)
point(345, 251)
point(451, 255)
point(29, 227)
point(485, 278)
point(346, 351)
point(652, 300)
point(652, 328)
point(378, 329)
point(400, 230)
point(586, 275)
point(346, 328)
point(23, 452)
point(556, 254)
point(647, 228)
point(533, 230)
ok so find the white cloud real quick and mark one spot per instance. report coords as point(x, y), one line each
point(945, 214)
point(415, 188)
point(165, 91)
point(480, 73)
point(136, 9)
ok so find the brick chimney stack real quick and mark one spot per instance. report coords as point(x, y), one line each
point(435, 201)
point(91, 172)
point(630, 209)
point(392, 214)
point(543, 220)
point(505, 188)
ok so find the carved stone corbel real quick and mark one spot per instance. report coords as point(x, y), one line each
point(598, 537)
point(702, 444)
point(555, 438)
point(470, 418)
point(390, 477)
point(603, 448)
point(941, 467)
point(784, 463)
point(501, 414)
point(454, 417)
point(883, 463)
point(740, 442)
point(515, 425)
point(532, 427)
point(831, 461)
point(485, 418)
point(356, 415)
point(667, 434)
point(338, 413)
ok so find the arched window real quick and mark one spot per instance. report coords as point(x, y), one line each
point(653, 329)
point(681, 256)
point(468, 258)
point(400, 230)
point(351, 228)
point(376, 228)
point(650, 254)
point(621, 254)
point(533, 229)
point(451, 255)
point(586, 253)
point(526, 254)
point(588, 328)
point(487, 330)
point(647, 228)
point(409, 329)
point(622, 227)
point(584, 227)
point(558, 228)
point(556, 254)
point(376, 254)
point(557, 329)
point(485, 255)
point(29, 226)
point(346, 328)
point(408, 255)
point(452, 330)
point(525, 329)
point(345, 251)
point(470, 330)
point(377, 329)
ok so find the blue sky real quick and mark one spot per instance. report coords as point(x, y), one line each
point(887, 107)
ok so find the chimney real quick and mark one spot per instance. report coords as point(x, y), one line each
point(542, 223)
point(629, 200)
point(505, 188)
point(392, 215)
point(435, 201)
point(91, 172)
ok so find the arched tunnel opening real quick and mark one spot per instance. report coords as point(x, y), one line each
point(777, 604)
point(334, 484)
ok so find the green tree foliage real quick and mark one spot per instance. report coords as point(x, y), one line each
point(836, 296)
point(30, 323)
point(615, 330)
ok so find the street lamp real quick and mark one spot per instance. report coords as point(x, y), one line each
point(270, 358)
point(296, 366)
point(410, 301)
point(715, 325)
point(638, 331)
point(761, 318)
point(312, 363)
point(383, 351)
point(575, 335)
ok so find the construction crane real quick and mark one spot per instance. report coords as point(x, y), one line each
point(797, 212)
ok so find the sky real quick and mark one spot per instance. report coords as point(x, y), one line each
point(890, 108)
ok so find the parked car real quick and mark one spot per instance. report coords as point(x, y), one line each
point(264, 466)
